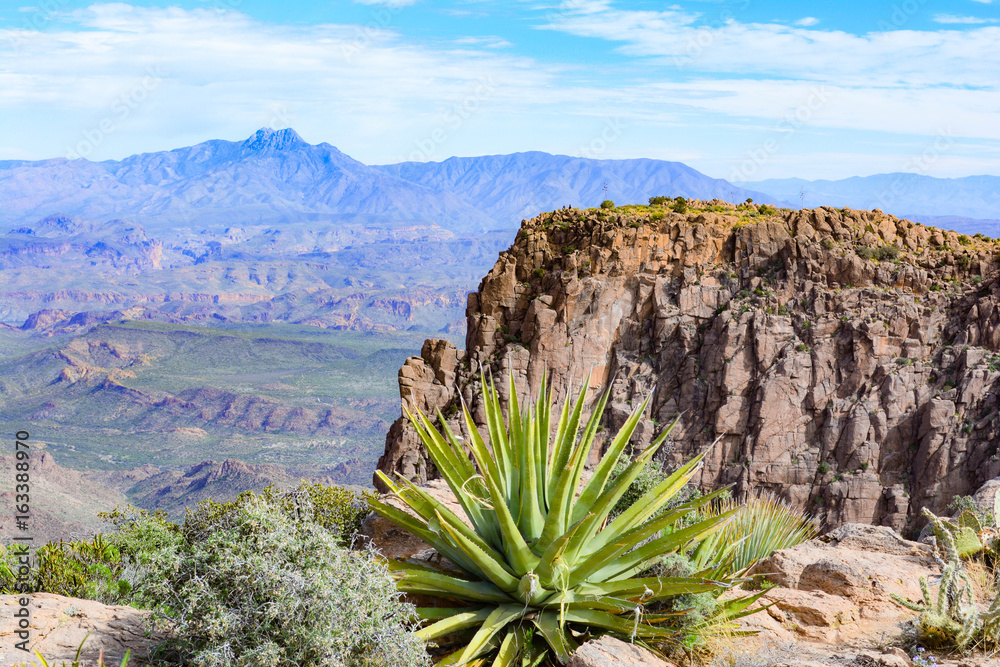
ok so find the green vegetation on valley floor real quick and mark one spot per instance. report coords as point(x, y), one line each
point(129, 393)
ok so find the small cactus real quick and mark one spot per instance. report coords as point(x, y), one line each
point(952, 618)
point(968, 519)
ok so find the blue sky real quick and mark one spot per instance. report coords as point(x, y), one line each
point(742, 90)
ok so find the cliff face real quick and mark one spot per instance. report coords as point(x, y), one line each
point(859, 389)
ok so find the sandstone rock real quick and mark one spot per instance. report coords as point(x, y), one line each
point(772, 334)
point(59, 625)
point(840, 585)
point(607, 651)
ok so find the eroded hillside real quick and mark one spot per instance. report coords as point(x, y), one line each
point(845, 359)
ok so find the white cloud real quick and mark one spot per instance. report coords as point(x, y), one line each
point(387, 3)
point(487, 42)
point(689, 83)
point(713, 46)
point(966, 20)
point(225, 74)
point(807, 21)
point(983, 2)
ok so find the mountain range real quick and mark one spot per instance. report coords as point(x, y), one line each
point(274, 229)
point(947, 202)
point(275, 177)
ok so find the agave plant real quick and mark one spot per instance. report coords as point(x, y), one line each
point(761, 525)
point(539, 568)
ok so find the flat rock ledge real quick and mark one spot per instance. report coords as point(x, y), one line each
point(60, 624)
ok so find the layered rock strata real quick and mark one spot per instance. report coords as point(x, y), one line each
point(847, 360)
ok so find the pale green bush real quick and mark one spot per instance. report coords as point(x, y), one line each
point(253, 586)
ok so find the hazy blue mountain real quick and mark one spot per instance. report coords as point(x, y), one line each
point(511, 187)
point(272, 177)
point(275, 177)
point(906, 195)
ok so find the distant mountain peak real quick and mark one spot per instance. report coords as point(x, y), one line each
point(279, 140)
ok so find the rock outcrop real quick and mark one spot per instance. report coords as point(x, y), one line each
point(60, 625)
point(847, 360)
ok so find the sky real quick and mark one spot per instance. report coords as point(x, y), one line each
point(743, 90)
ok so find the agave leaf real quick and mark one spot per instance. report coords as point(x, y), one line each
point(493, 569)
point(529, 519)
point(435, 583)
point(650, 589)
point(603, 619)
point(479, 513)
point(562, 499)
point(551, 564)
point(441, 613)
point(423, 503)
point(558, 454)
point(606, 502)
point(510, 649)
point(635, 561)
point(519, 554)
point(494, 623)
point(421, 530)
point(498, 439)
point(462, 620)
point(585, 445)
point(555, 635)
point(542, 422)
point(456, 469)
point(603, 470)
point(652, 502)
point(737, 608)
point(564, 446)
point(608, 556)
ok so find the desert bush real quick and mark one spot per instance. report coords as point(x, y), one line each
point(760, 526)
point(680, 205)
point(884, 253)
point(542, 566)
point(658, 201)
point(253, 585)
point(607, 203)
point(81, 569)
point(263, 579)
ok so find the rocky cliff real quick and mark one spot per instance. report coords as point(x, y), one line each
point(845, 359)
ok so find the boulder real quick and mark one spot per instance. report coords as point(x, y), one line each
point(59, 625)
point(607, 651)
point(839, 586)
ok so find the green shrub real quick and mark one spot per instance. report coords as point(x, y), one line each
point(765, 209)
point(658, 201)
point(607, 203)
point(884, 253)
point(680, 205)
point(90, 569)
point(252, 585)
